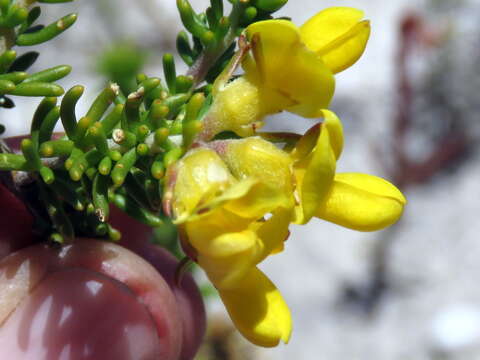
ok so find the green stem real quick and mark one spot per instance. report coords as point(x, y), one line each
point(206, 60)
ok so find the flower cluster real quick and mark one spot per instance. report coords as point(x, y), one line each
point(233, 199)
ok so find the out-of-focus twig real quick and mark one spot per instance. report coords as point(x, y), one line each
point(404, 169)
point(407, 170)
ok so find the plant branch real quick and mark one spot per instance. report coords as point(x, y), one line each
point(206, 60)
point(7, 39)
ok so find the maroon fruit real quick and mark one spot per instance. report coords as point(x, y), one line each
point(109, 293)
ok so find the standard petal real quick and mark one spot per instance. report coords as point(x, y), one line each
point(277, 38)
point(338, 35)
point(258, 310)
point(307, 81)
point(362, 202)
point(294, 77)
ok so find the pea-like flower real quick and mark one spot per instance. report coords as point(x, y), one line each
point(289, 68)
point(223, 228)
point(233, 200)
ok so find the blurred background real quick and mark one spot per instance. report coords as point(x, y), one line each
point(411, 109)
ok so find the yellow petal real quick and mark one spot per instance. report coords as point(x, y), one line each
point(238, 107)
point(362, 202)
point(335, 131)
point(261, 160)
point(258, 310)
point(248, 199)
point(201, 229)
point(200, 176)
point(228, 258)
point(229, 244)
point(277, 39)
point(260, 200)
point(307, 81)
point(292, 72)
point(338, 35)
point(306, 143)
point(314, 176)
point(233, 211)
point(274, 232)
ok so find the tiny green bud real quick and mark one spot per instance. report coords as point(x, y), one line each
point(114, 234)
point(160, 136)
point(158, 170)
point(105, 166)
point(115, 155)
point(142, 149)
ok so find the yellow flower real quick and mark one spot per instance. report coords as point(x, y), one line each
point(289, 68)
point(233, 200)
point(229, 260)
point(222, 220)
point(357, 201)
